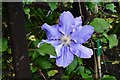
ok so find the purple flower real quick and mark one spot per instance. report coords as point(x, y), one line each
point(67, 37)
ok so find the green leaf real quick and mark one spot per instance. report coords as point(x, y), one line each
point(110, 7)
point(65, 77)
point(44, 63)
point(100, 25)
point(27, 12)
point(46, 49)
point(33, 54)
point(33, 69)
point(53, 5)
point(4, 45)
point(88, 71)
point(104, 40)
point(108, 77)
point(80, 61)
point(113, 41)
point(52, 72)
point(90, 5)
point(72, 66)
point(86, 76)
point(81, 69)
point(9, 51)
point(35, 43)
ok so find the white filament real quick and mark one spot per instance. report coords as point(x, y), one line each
point(65, 40)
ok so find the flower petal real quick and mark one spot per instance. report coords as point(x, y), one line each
point(51, 31)
point(51, 56)
point(66, 57)
point(66, 20)
point(81, 51)
point(81, 35)
point(78, 21)
point(84, 52)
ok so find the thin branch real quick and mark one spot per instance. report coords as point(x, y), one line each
point(95, 62)
point(39, 70)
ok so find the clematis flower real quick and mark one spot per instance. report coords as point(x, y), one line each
point(67, 38)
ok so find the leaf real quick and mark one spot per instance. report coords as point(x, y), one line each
point(9, 51)
point(90, 5)
point(88, 71)
point(80, 61)
point(44, 63)
point(33, 54)
point(110, 7)
point(4, 45)
point(27, 12)
point(100, 25)
point(113, 41)
point(104, 40)
point(52, 72)
point(46, 49)
point(81, 69)
point(86, 76)
point(72, 66)
point(53, 5)
point(65, 77)
point(108, 77)
point(33, 69)
point(35, 43)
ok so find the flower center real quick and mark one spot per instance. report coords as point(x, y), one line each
point(65, 40)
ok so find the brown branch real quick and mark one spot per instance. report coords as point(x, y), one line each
point(39, 70)
point(95, 62)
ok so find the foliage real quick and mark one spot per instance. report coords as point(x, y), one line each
point(110, 7)
point(4, 45)
point(46, 49)
point(105, 25)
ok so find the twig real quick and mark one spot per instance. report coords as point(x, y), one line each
point(103, 57)
point(95, 63)
point(42, 74)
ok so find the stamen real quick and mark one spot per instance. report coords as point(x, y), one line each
point(65, 40)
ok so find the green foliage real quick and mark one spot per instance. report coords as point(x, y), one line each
point(72, 66)
point(46, 49)
point(44, 63)
point(90, 5)
point(33, 69)
point(104, 40)
point(80, 61)
point(108, 77)
point(4, 45)
point(52, 72)
point(113, 41)
point(86, 76)
point(65, 77)
point(111, 7)
point(100, 25)
point(104, 25)
point(27, 12)
point(81, 69)
point(53, 5)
